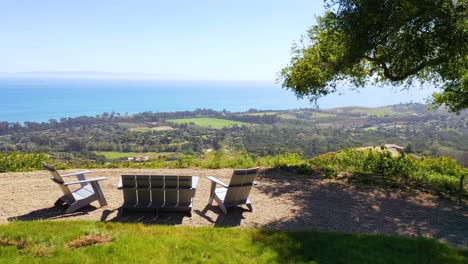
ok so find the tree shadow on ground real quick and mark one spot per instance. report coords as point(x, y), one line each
point(333, 247)
point(51, 213)
point(336, 206)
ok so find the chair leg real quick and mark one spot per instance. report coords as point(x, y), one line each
point(100, 195)
point(223, 208)
point(59, 202)
point(221, 205)
point(249, 205)
point(74, 207)
point(212, 193)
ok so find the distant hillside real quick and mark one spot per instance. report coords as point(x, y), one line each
point(309, 132)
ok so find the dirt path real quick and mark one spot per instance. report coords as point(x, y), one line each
point(280, 201)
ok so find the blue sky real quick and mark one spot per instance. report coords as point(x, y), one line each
point(208, 40)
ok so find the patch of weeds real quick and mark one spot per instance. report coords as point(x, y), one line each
point(39, 251)
point(19, 242)
point(88, 240)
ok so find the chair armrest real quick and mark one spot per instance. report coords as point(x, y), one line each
point(85, 181)
point(120, 185)
point(213, 179)
point(76, 173)
point(195, 180)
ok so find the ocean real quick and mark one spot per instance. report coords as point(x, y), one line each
point(42, 99)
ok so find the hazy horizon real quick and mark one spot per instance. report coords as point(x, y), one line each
point(36, 99)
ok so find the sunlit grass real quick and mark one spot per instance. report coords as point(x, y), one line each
point(50, 242)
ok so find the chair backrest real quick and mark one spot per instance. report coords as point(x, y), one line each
point(59, 180)
point(129, 190)
point(157, 190)
point(240, 185)
point(143, 190)
point(178, 190)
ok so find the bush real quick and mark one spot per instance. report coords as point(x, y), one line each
point(16, 161)
point(440, 175)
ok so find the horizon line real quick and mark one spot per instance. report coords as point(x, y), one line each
point(103, 75)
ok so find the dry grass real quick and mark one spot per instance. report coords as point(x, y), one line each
point(88, 240)
point(19, 243)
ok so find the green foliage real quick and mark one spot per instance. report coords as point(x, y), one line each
point(442, 165)
point(227, 159)
point(15, 161)
point(48, 242)
point(326, 164)
point(394, 42)
point(439, 175)
point(282, 160)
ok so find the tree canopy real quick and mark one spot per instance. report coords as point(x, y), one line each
point(392, 42)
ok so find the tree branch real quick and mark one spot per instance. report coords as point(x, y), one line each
point(396, 78)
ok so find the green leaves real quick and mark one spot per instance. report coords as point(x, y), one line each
point(393, 42)
point(16, 161)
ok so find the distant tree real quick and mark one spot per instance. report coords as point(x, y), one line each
point(76, 145)
point(408, 149)
point(389, 42)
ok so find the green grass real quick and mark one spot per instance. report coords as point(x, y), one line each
point(110, 155)
point(47, 242)
point(207, 122)
point(371, 128)
point(379, 112)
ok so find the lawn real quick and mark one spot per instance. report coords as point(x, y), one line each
point(66, 242)
point(371, 128)
point(111, 155)
point(207, 122)
point(379, 112)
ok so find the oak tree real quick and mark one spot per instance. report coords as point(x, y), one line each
point(393, 42)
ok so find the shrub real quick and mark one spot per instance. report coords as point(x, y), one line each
point(16, 161)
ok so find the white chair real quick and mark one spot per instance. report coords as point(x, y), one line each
point(237, 192)
point(89, 190)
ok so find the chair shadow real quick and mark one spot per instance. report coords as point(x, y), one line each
point(51, 213)
point(233, 218)
point(147, 218)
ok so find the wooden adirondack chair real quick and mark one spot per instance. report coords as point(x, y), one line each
point(237, 192)
point(156, 193)
point(88, 192)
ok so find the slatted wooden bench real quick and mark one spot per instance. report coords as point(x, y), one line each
point(157, 193)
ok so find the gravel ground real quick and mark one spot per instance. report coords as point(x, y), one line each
point(281, 201)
